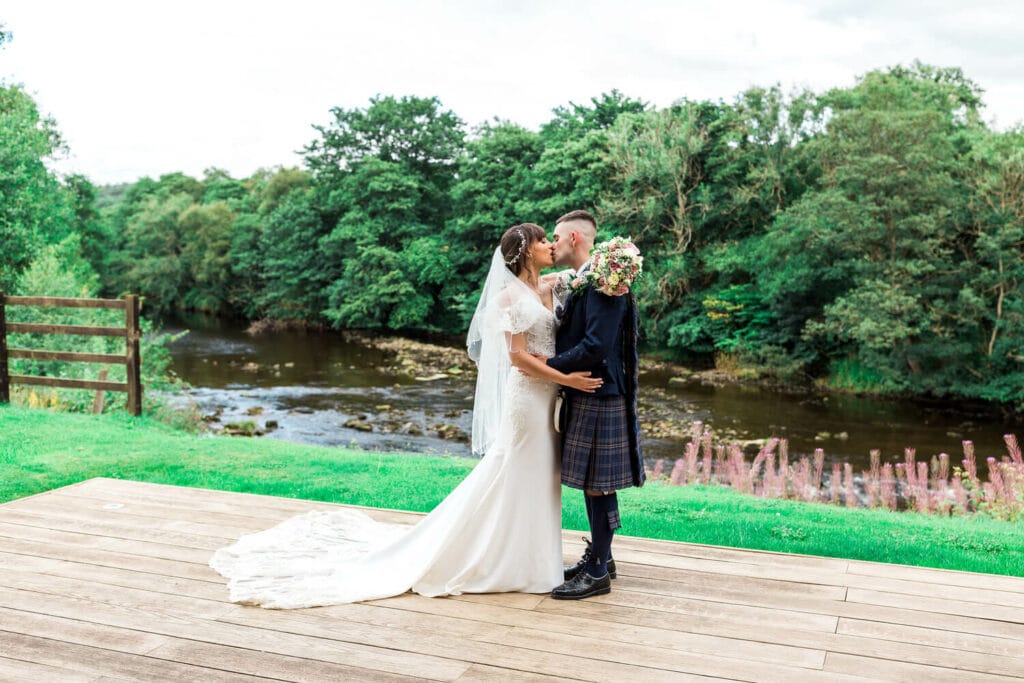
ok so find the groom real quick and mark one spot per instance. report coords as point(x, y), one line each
point(601, 440)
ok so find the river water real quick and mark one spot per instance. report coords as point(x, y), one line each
point(313, 384)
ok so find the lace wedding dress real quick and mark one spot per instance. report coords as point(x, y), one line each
point(499, 530)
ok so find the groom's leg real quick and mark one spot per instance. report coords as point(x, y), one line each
point(603, 522)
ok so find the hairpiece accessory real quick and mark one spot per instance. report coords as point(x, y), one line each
point(522, 248)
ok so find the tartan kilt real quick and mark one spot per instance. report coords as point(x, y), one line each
point(596, 446)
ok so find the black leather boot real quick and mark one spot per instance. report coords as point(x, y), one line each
point(583, 585)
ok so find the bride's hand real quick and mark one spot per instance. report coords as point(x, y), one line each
point(584, 382)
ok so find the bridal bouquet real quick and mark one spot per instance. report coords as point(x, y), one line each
point(614, 266)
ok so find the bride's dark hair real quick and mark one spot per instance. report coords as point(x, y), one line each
point(516, 243)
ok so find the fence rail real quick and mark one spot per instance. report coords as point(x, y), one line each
point(130, 332)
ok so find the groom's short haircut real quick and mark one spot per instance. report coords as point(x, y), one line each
point(579, 215)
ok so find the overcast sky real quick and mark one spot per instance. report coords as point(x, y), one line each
point(144, 88)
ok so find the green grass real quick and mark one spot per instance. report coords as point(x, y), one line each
point(42, 450)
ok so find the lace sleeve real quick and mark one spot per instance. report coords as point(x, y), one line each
point(517, 314)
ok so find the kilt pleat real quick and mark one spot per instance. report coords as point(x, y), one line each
point(596, 452)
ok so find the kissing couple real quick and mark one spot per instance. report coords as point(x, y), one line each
point(500, 529)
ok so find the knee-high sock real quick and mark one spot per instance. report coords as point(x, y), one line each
point(603, 523)
point(590, 509)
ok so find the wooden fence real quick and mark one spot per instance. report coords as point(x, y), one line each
point(130, 332)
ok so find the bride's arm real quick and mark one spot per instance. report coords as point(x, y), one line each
point(551, 278)
point(535, 367)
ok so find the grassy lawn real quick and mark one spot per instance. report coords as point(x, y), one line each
point(42, 450)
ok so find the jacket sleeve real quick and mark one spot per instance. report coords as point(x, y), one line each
point(604, 320)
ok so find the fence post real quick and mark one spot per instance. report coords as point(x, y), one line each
point(132, 357)
point(5, 378)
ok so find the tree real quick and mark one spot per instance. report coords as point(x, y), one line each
point(206, 234)
point(868, 257)
point(151, 262)
point(495, 177)
point(991, 299)
point(574, 170)
point(382, 177)
point(34, 207)
point(293, 272)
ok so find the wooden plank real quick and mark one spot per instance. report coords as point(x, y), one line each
point(186, 626)
point(104, 558)
point(658, 658)
point(65, 302)
point(776, 571)
point(481, 673)
point(99, 661)
point(920, 651)
point(470, 651)
point(276, 666)
point(115, 576)
point(936, 606)
point(101, 523)
point(140, 493)
point(132, 357)
point(78, 631)
point(53, 512)
point(908, 616)
point(741, 594)
point(902, 672)
point(68, 540)
point(254, 505)
point(97, 399)
point(194, 652)
point(705, 582)
point(981, 593)
point(81, 330)
point(616, 634)
point(722, 553)
point(704, 615)
point(17, 670)
point(64, 383)
point(215, 526)
point(166, 604)
point(71, 356)
point(949, 640)
point(937, 576)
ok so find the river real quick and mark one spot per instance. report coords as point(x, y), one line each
point(323, 389)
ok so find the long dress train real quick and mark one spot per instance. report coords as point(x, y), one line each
point(499, 530)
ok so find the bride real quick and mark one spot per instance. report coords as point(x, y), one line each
point(499, 530)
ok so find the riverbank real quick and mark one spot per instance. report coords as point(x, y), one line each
point(42, 450)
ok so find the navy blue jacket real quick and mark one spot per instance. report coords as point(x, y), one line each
point(600, 333)
point(590, 338)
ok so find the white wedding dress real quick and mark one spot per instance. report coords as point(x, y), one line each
point(498, 531)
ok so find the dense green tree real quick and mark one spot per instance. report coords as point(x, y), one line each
point(206, 231)
point(382, 179)
point(492, 193)
point(150, 263)
point(35, 208)
point(989, 316)
point(868, 257)
point(574, 168)
point(293, 273)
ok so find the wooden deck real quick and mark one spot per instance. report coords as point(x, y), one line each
point(107, 580)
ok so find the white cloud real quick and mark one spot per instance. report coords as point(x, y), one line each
point(147, 88)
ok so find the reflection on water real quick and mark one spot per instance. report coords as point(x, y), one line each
point(313, 383)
